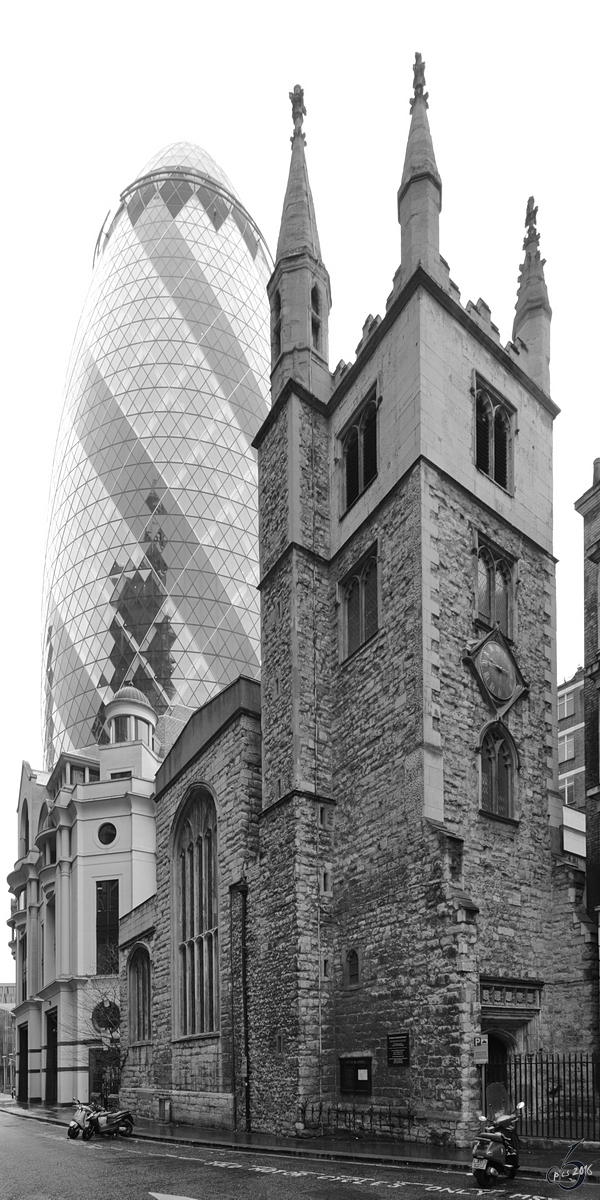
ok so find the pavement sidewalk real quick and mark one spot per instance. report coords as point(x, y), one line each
point(534, 1162)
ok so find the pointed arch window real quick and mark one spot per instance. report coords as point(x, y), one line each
point(493, 437)
point(495, 599)
point(360, 453)
point(315, 318)
point(498, 765)
point(276, 330)
point(140, 996)
point(196, 909)
point(360, 603)
point(352, 968)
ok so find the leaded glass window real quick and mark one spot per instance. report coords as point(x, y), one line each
point(140, 1014)
point(494, 590)
point(497, 772)
point(361, 606)
point(493, 437)
point(196, 906)
point(360, 453)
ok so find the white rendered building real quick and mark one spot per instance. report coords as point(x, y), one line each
point(86, 857)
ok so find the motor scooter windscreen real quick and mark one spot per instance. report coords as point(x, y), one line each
point(497, 1101)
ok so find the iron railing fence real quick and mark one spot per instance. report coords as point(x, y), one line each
point(372, 1121)
point(561, 1093)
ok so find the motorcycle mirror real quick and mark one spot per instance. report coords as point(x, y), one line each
point(521, 1104)
point(480, 1117)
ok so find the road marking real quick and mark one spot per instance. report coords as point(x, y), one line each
point(268, 1170)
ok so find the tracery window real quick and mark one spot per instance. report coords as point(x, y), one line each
point(494, 589)
point(140, 1011)
point(360, 605)
point(498, 762)
point(195, 860)
point(493, 437)
point(360, 453)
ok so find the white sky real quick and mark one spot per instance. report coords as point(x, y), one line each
point(92, 92)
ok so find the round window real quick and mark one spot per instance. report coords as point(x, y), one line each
point(107, 833)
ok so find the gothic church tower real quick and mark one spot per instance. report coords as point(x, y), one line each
point(410, 886)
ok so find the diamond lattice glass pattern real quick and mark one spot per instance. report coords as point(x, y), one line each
point(152, 556)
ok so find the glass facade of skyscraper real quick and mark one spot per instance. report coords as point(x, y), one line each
point(152, 555)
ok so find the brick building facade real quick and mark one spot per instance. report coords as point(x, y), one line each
point(588, 506)
point(571, 741)
point(376, 836)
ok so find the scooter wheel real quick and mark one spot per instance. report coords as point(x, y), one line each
point(484, 1179)
point(72, 1133)
point(125, 1128)
point(87, 1133)
point(510, 1172)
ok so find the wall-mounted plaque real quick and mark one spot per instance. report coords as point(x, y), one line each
point(398, 1049)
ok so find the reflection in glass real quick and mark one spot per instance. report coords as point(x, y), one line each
point(151, 563)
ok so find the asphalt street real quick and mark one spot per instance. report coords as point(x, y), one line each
point(38, 1162)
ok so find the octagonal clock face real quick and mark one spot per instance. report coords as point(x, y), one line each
point(497, 671)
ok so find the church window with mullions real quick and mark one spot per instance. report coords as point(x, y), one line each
point(493, 437)
point(360, 452)
point(494, 589)
point(197, 916)
point(498, 760)
point(360, 605)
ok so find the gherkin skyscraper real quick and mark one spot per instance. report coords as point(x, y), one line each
point(152, 553)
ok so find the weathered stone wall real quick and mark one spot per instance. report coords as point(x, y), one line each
point(391, 899)
point(431, 892)
point(201, 1074)
point(509, 870)
point(137, 1072)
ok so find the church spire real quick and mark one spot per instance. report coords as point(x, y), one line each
point(532, 310)
point(419, 161)
point(420, 192)
point(299, 289)
point(298, 223)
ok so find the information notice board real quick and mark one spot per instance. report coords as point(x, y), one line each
point(398, 1049)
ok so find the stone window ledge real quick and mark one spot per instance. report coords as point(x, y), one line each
point(492, 816)
point(350, 657)
point(196, 1037)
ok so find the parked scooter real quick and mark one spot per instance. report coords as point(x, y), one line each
point(496, 1150)
point(105, 1123)
point(80, 1121)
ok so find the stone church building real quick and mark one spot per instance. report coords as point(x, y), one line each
point(359, 864)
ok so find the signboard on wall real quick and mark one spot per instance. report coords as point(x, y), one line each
point(398, 1053)
point(480, 1048)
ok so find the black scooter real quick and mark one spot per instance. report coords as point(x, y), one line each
point(104, 1123)
point(496, 1150)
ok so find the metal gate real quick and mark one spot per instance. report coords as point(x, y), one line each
point(104, 1075)
point(561, 1093)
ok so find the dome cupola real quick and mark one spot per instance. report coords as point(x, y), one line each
point(130, 717)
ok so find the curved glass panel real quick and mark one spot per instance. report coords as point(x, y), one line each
point(152, 554)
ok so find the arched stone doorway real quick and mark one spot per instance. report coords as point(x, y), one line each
point(497, 1060)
